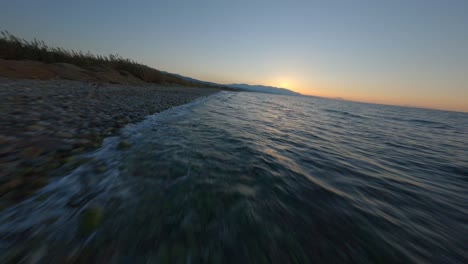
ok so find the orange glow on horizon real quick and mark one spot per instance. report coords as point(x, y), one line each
point(327, 87)
point(398, 99)
point(438, 104)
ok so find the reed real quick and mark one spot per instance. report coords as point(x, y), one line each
point(14, 48)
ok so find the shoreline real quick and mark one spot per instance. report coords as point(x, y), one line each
point(58, 207)
point(46, 124)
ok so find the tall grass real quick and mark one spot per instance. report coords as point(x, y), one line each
point(14, 48)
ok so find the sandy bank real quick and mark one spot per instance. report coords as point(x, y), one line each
point(42, 71)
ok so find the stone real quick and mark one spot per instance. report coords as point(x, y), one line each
point(6, 150)
point(4, 140)
point(43, 197)
point(90, 220)
point(124, 144)
point(10, 185)
point(78, 142)
point(43, 123)
point(64, 148)
point(101, 168)
point(77, 150)
point(31, 152)
point(63, 134)
point(36, 128)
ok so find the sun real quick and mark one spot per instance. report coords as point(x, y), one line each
point(287, 83)
point(284, 84)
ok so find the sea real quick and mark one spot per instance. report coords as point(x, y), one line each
point(242, 177)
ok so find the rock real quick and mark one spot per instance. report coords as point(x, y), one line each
point(164, 254)
point(36, 128)
point(80, 199)
point(4, 140)
point(10, 185)
point(64, 148)
point(76, 151)
point(63, 134)
point(36, 254)
point(79, 142)
point(8, 168)
point(110, 131)
point(124, 144)
point(43, 123)
point(31, 152)
point(6, 150)
point(90, 220)
point(101, 168)
point(43, 197)
point(34, 183)
point(67, 159)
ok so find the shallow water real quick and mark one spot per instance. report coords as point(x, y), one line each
point(251, 177)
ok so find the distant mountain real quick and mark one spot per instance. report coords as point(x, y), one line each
point(203, 83)
point(263, 89)
point(243, 87)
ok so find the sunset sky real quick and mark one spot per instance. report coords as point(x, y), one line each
point(412, 52)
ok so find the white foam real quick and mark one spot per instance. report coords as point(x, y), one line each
point(83, 182)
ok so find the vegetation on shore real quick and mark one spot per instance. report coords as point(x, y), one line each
point(15, 48)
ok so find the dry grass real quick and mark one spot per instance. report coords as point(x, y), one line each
point(14, 48)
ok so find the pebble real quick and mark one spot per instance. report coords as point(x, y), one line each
point(43, 123)
point(101, 168)
point(90, 220)
point(10, 185)
point(62, 134)
point(31, 152)
point(40, 118)
point(36, 128)
point(4, 140)
point(5, 150)
point(124, 144)
point(81, 141)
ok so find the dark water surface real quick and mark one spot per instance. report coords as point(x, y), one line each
point(245, 177)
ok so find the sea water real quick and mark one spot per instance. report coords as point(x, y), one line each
point(247, 177)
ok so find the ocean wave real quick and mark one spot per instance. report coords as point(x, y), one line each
point(243, 177)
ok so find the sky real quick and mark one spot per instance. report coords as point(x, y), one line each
point(410, 52)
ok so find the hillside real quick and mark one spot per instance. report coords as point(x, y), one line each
point(263, 89)
point(20, 58)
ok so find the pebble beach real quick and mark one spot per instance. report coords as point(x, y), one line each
point(45, 124)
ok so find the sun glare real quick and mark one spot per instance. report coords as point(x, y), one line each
point(283, 83)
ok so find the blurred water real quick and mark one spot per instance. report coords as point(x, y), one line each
point(245, 177)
